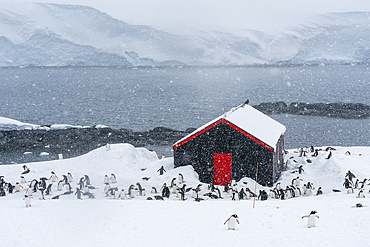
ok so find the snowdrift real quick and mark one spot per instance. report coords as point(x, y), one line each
point(139, 222)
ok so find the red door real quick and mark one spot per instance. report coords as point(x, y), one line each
point(221, 168)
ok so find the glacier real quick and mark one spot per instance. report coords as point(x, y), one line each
point(44, 34)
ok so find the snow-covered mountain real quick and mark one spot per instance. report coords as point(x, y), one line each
point(39, 34)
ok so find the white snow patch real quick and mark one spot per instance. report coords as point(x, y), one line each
point(138, 222)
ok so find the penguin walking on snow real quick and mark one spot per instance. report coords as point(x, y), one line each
point(311, 219)
point(231, 222)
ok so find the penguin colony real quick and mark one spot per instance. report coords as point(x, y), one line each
point(53, 186)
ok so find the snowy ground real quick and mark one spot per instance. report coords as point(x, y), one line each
point(104, 221)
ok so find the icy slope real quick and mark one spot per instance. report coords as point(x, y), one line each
point(42, 34)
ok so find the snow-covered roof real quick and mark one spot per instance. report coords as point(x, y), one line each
point(251, 121)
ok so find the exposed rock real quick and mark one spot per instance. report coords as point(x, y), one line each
point(335, 110)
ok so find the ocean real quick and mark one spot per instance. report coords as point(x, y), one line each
point(179, 98)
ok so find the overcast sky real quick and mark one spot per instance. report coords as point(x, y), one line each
point(223, 15)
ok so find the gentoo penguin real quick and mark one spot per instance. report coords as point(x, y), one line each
point(106, 179)
point(154, 190)
point(329, 156)
point(26, 170)
point(53, 177)
point(17, 187)
point(132, 191)
point(116, 194)
point(233, 185)
point(42, 183)
point(27, 201)
point(65, 179)
point(106, 188)
point(69, 187)
point(113, 178)
point(2, 192)
point(141, 189)
point(29, 192)
point(218, 192)
point(60, 185)
point(69, 177)
point(361, 194)
point(23, 180)
point(311, 219)
point(122, 195)
point(41, 194)
point(319, 191)
point(231, 222)
point(272, 194)
point(277, 186)
point(161, 170)
point(181, 178)
point(87, 180)
point(48, 189)
point(165, 191)
point(300, 169)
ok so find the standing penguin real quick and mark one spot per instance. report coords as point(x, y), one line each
point(165, 191)
point(53, 177)
point(106, 179)
point(69, 177)
point(87, 180)
point(17, 187)
point(122, 194)
point(161, 170)
point(27, 201)
point(311, 219)
point(60, 185)
point(231, 222)
point(181, 178)
point(113, 178)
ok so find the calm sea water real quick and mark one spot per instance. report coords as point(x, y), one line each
point(179, 98)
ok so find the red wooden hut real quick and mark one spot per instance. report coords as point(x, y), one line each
point(230, 146)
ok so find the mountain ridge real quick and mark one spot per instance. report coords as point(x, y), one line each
point(46, 34)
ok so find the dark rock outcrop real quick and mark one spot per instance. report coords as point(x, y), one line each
point(335, 110)
point(19, 146)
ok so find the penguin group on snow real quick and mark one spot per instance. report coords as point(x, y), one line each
point(54, 187)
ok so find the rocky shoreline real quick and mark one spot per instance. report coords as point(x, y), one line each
point(20, 146)
point(335, 110)
point(46, 143)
